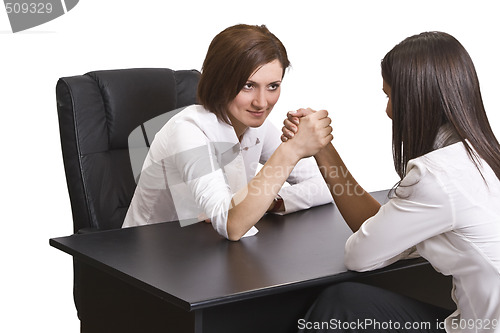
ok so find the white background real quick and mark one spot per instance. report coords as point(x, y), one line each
point(335, 48)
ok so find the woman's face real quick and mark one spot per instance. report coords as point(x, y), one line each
point(255, 101)
point(387, 90)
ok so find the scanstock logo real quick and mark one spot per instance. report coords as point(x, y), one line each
point(26, 14)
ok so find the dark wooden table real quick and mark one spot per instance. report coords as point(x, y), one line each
point(263, 283)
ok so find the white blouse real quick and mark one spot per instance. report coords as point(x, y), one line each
point(196, 164)
point(451, 214)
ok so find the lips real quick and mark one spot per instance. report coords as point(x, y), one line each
point(256, 113)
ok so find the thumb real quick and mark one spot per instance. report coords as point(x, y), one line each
point(301, 112)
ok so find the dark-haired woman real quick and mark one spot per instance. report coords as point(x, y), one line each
point(202, 164)
point(446, 206)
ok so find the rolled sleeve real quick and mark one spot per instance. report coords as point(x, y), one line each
point(421, 210)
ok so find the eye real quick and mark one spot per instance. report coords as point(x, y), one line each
point(248, 86)
point(274, 86)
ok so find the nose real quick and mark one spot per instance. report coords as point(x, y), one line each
point(260, 100)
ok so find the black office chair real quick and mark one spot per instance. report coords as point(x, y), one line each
point(97, 113)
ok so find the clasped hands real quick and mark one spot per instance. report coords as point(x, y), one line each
point(307, 130)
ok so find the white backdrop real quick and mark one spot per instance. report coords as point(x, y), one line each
point(335, 48)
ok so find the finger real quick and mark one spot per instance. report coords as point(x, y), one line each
point(284, 138)
point(326, 139)
point(329, 139)
point(292, 118)
point(322, 132)
point(289, 134)
point(290, 126)
point(325, 122)
point(321, 114)
point(328, 120)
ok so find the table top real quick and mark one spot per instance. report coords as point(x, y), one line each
point(193, 267)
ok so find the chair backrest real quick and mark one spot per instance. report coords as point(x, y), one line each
point(97, 113)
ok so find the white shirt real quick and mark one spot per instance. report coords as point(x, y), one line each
point(196, 164)
point(452, 215)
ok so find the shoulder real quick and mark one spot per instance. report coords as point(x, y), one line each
point(194, 114)
point(185, 130)
point(192, 118)
point(432, 170)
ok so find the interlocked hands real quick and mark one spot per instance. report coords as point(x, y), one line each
point(308, 130)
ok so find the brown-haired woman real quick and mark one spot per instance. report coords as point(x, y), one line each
point(446, 205)
point(202, 164)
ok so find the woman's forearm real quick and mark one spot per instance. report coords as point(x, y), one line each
point(354, 203)
point(252, 202)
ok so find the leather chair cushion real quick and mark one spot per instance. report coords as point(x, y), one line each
point(97, 112)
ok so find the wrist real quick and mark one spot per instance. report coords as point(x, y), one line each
point(325, 151)
point(290, 152)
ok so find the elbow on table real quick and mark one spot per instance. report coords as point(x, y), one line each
point(234, 237)
point(237, 227)
point(355, 266)
point(357, 257)
point(234, 234)
point(356, 263)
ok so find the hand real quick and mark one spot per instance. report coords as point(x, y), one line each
point(312, 134)
point(292, 122)
point(204, 218)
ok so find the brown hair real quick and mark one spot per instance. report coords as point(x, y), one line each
point(233, 55)
point(434, 83)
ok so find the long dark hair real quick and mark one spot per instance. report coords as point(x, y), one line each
point(434, 83)
point(233, 55)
